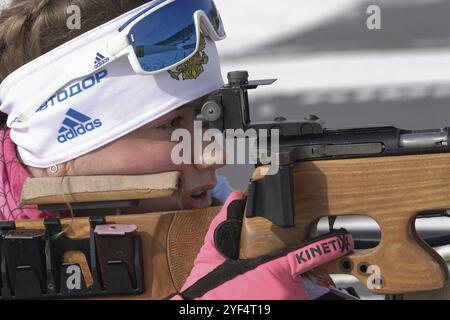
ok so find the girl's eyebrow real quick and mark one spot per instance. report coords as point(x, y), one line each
point(176, 113)
point(158, 122)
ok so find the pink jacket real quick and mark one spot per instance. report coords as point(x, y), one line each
point(12, 178)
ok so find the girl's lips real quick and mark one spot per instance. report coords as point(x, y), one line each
point(198, 195)
point(197, 198)
point(196, 202)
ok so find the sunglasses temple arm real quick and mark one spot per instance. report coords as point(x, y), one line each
point(116, 45)
point(30, 110)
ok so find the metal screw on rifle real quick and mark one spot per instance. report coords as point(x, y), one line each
point(346, 265)
point(211, 112)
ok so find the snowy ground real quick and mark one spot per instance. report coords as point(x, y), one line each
point(313, 46)
point(252, 23)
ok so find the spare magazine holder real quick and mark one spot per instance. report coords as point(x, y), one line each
point(32, 262)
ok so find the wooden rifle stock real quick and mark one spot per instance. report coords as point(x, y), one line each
point(170, 240)
point(391, 191)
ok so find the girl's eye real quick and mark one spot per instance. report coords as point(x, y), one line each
point(174, 123)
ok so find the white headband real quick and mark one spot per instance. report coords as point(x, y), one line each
point(94, 111)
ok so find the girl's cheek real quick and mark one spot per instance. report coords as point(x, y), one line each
point(129, 157)
point(158, 157)
point(147, 158)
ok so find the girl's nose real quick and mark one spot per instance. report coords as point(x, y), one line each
point(212, 158)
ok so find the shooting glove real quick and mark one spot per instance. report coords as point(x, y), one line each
point(218, 272)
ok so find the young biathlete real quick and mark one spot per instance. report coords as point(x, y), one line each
point(105, 98)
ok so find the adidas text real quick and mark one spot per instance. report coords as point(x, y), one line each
point(79, 131)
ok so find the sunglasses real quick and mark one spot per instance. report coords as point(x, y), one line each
point(165, 35)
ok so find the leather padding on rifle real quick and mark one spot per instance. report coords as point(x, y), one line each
point(56, 190)
point(184, 240)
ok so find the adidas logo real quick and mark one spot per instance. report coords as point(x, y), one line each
point(100, 60)
point(76, 124)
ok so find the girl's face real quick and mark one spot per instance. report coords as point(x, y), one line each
point(148, 150)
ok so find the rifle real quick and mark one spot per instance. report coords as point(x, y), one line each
point(385, 173)
point(388, 174)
